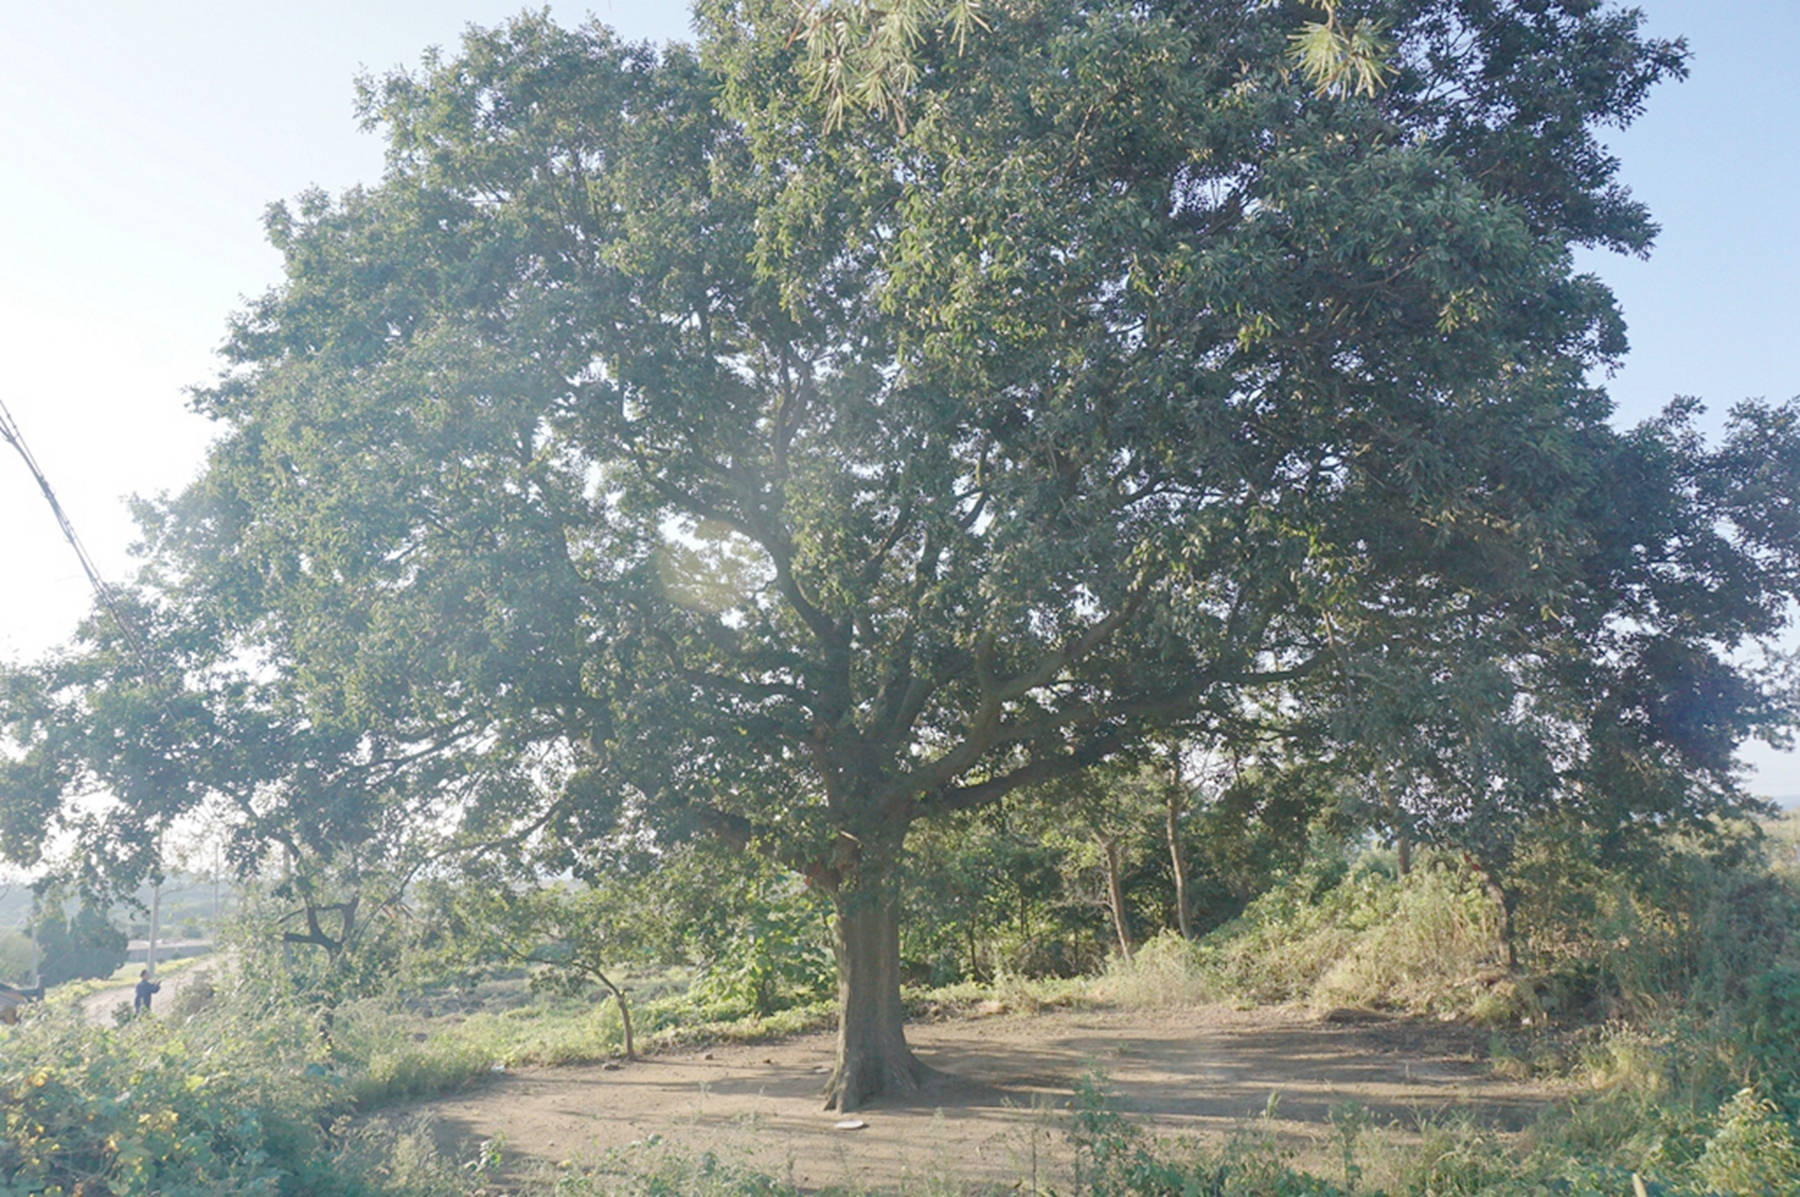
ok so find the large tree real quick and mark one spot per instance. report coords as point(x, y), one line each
point(664, 438)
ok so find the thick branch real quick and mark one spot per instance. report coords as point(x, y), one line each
point(983, 728)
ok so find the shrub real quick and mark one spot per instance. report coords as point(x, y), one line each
point(1768, 1029)
point(1754, 1151)
point(152, 1108)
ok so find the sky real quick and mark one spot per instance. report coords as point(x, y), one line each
point(144, 142)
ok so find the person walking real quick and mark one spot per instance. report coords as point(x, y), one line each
point(140, 998)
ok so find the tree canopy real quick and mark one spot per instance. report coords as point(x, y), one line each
point(665, 442)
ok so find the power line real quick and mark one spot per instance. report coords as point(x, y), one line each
point(9, 431)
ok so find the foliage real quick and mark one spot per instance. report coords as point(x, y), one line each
point(567, 933)
point(150, 1107)
point(1114, 1159)
point(862, 55)
point(987, 895)
point(366, 961)
point(1754, 1150)
point(1166, 971)
point(779, 953)
point(1341, 58)
point(653, 1169)
point(1102, 824)
point(16, 957)
point(1686, 927)
point(1693, 1109)
point(1019, 888)
point(759, 938)
point(1258, 829)
point(79, 945)
point(1594, 1148)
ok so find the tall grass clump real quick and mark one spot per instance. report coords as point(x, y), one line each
point(385, 1061)
point(1166, 971)
point(1115, 1158)
point(1689, 957)
point(1338, 934)
point(1685, 924)
point(1438, 950)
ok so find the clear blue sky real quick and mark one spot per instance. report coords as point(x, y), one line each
point(144, 141)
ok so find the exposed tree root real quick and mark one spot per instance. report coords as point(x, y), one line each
point(868, 1075)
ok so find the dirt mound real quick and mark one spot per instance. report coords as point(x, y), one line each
point(997, 1114)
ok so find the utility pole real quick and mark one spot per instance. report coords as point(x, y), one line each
point(37, 955)
point(155, 912)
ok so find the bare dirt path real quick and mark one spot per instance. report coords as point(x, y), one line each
point(101, 1008)
point(999, 1114)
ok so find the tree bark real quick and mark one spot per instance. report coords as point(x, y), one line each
point(1396, 816)
point(1504, 901)
point(1177, 863)
point(872, 1056)
point(1115, 895)
point(624, 1013)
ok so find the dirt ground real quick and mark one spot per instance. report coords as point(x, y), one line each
point(997, 1116)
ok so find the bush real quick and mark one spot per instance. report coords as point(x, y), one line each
point(1754, 1151)
point(151, 1108)
point(780, 955)
point(1768, 1030)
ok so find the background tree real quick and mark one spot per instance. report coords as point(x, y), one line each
point(1619, 706)
point(78, 943)
point(1104, 823)
point(565, 931)
point(985, 896)
point(17, 955)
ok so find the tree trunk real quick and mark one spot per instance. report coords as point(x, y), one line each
point(624, 1013)
point(872, 1056)
point(1177, 864)
point(1397, 817)
point(1504, 901)
point(1115, 896)
point(872, 1053)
